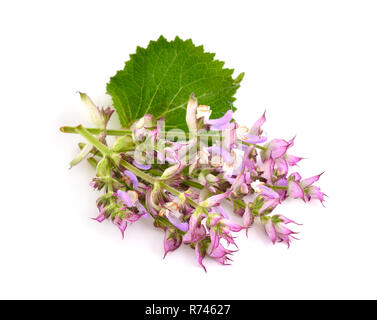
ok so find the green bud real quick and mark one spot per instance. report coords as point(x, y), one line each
point(103, 167)
point(81, 156)
point(170, 172)
point(92, 110)
point(123, 144)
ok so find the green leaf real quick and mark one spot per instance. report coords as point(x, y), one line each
point(160, 78)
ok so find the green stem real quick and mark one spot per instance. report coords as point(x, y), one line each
point(137, 172)
point(256, 146)
point(124, 149)
point(95, 142)
point(194, 184)
point(277, 187)
point(109, 132)
point(122, 132)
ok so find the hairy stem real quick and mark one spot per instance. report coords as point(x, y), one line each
point(94, 141)
point(122, 132)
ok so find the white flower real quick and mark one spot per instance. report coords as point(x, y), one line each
point(241, 132)
point(133, 196)
point(191, 113)
point(256, 186)
point(203, 111)
point(92, 110)
point(173, 207)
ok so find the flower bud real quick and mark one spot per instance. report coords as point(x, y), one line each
point(122, 143)
point(103, 167)
point(92, 110)
point(191, 113)
point(81, 156)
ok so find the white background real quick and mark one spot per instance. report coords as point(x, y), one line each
point(311, 64)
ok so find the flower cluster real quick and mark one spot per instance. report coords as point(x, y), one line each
point(182, 179)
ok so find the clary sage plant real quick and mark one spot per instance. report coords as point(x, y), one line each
point(180, 176)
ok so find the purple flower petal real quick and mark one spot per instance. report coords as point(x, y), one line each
point(141, 166)
point(141, 209)
point(183, 226)
point(123, 195)
point(221, 122)
point(256, 128)
point(132, 177)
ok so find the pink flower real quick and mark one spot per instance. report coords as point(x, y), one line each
point(214, 200)
point(121, 224)
point(309, 181)
point(101, 216)
point(276, 229)
point(172, 240)
point(315, 193)
point(295, 191)
point(200, 251)
point(275, 149)
point(196, 231)
point(219, 227)
point(220, 254)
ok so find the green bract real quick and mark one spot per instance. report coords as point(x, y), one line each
point(160, 78)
